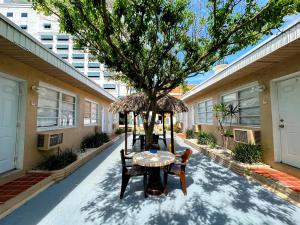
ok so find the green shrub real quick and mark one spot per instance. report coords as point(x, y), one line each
point(207, 139)
point(248, 153)
point(59, 161)
point(189, 133)
point(119, 131)
point(177, 128)
point(95, 140)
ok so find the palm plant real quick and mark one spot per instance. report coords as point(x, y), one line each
point(223, 112)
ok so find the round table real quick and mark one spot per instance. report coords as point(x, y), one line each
point(153, 162)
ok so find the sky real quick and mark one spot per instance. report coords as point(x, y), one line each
point(203, 77)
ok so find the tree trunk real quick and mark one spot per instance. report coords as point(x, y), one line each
point(149, 125)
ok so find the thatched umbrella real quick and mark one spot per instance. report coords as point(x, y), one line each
point(139, 102)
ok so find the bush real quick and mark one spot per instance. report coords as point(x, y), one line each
point(119, 131)
point(177, 128)
point(207, 139)
point(59, 161)
point(189, 133)
point(248, 153)
point(95, 140)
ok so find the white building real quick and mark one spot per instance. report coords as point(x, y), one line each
point(46, 30)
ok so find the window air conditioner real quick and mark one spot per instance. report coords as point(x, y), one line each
point(47, 141)
point(246, 136)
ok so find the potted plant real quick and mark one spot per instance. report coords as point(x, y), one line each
point(225, 113)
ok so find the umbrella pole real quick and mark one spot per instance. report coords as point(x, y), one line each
point(164, 129)
point(126, 130)
point(172, 134)
point(134, 128)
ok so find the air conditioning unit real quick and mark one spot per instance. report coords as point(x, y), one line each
point(48, 141)
point(246, 136)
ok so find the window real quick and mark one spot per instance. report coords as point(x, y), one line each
point(94, 65)
point(24, 27)
point(64, 56)
point(91, 113)
point(62, 37)
point(78, 65)
point(9, 14)
point(247, 101)
point(93, 74)
point(78, 48)
point(205, 112)
point(24, 14)
point(47, 26)
point(55, 109)
point(46, 37)
point(78, 56)
point(49, 46)
point(62, 47)
point(106, 74)
point(109, 86)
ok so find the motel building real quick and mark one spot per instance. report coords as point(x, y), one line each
point(42, 94)
point(265, 85)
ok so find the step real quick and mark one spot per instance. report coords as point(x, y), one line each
point(10, 176)
point(16, 192)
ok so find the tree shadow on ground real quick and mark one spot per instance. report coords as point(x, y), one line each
point(215, 196)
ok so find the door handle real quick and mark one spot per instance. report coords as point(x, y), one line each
point(281, 126)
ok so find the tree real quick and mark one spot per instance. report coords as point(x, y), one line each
point(157, 44)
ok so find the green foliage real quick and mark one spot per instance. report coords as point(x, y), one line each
point(95, 140)
point(119, 131)
point(248, 153)
point(155, 45)
point(59, 161)
point(207, 139)
point(177, 128)
point(189, 133)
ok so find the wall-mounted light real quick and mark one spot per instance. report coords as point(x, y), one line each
point(35, 88)
point(259, 88)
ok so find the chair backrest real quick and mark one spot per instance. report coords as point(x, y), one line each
point(186, 155)
point(155, 138)
point(123, 161)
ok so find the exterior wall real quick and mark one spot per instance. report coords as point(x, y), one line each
point(72, 136)
point(264, 77)
point(35, 26)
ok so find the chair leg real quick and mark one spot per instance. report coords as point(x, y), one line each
point(165, 183)
point(183, 183)
point(145, 185)
point(125, 180)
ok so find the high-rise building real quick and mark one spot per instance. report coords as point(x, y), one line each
point(46, 30)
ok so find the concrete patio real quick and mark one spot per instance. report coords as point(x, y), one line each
point(215, 196)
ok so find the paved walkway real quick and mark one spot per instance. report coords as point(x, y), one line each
point(215, 196)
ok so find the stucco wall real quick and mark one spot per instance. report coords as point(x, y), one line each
point(72, 136)
point(263, 76)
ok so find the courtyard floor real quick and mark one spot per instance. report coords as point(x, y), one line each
point(215, 196)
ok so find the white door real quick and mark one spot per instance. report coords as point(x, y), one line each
point(9, 91)
point(289, 120)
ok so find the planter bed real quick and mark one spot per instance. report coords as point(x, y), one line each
point(83, 157)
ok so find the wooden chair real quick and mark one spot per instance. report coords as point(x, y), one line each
point(178, 169)
point(129, 170)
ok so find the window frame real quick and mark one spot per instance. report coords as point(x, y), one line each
point(61, 92)
point(236, 92)
point(206, 111)
point(99, 113)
